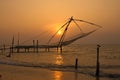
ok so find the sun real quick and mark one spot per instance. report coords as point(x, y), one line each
point(59, 32)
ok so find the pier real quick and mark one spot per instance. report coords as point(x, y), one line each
point(62, 42)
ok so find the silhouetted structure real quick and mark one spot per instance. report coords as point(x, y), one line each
point(97, 62)
point(62, 42)
point(76, 63)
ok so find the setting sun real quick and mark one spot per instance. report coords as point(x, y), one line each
point(59, 32)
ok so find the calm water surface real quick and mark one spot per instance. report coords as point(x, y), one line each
point(65, 61)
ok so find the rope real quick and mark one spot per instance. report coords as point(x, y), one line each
point(66, 25)
point(41, 34)
point(89, 23)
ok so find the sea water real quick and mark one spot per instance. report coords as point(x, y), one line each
point(65, 61)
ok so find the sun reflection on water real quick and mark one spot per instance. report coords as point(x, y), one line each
point(59, 60)
point(58, 75)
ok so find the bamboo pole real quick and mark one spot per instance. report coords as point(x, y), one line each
point(33, 45)
point(37, 46)
point(97, 62)
point(76, 63)
point(18, 42)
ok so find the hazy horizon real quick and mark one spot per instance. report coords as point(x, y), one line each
point(32, 17)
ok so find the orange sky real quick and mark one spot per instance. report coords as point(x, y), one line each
point(31, 17)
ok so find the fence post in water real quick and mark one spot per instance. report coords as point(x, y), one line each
point(34, 45)
point(60, 48)
point(97, 62)
point(37, 47)
point(12, 47)
point(76, 63)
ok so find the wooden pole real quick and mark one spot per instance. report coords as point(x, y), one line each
point(18, 43)
point(12, 44)
point(61, 48)
point(76, 63)
point(97, 62)
point(37, 47)
point(34, 45)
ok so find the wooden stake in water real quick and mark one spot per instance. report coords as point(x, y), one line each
point(34, 45)
point(37, 46)
point(12, 47)
point(76, 63)
point(18, 43)
point(97, 62)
